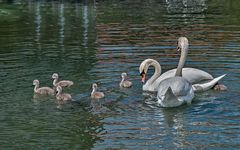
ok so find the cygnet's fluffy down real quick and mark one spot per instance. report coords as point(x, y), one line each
point(62, 96)
point(95, 94)
point(63, 83)
point(124, 82)
point(42, 90)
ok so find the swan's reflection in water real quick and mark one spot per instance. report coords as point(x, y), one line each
point(171, 115)
point(144, 122)
point(163, 125)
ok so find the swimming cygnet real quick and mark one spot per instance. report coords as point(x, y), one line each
point(42, 90)
point(220, 87)
point(62, 96)
point(95, 94)
point(124, 83)
point(63, 83)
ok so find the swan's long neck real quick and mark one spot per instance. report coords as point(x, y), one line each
point(36, 87)
point(157, 72)
point(55, 81)
point(123, 79)
point(182, 60)
point(94, 90)
point(121, 83)
point(58, 92)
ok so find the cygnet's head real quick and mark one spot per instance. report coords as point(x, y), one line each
point(124, 75)
point(182, 44)
point(35, 82)
point(94, 86)
point(55, 76)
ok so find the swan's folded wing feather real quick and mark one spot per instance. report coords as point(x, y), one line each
point(169, 99)
point(193, 75)
point(169, 94)
point(208, 85)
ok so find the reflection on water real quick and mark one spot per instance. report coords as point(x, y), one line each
point(61, 24)
point(186, 6)
point(38, 24)
point(85, 25)
point(95, 41)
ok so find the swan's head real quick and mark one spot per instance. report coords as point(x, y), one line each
point(143, 68)
point(59, 89)
point(124, 75)
point(94, 86)
point(182, 44)
point(35, 82)
point(55, 76)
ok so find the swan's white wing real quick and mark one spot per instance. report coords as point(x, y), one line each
point(187, 98)
point(192, 75)
point(169, 99)
point(208, 85)
point(174, 91)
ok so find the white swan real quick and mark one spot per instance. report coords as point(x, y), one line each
point(42, 90)
point(95, 94)
point(175, 91)
point(124, 82)
point(193, 75)
point(63, 83)
point(62, 96)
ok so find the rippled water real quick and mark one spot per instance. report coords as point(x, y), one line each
point(91, 41)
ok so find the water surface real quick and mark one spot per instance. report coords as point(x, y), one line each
point(91, 41)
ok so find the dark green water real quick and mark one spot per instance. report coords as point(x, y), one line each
point(91, 41)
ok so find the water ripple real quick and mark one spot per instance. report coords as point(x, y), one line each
point(91, 42)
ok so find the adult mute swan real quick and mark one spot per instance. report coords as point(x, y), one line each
point(63, 83)
point(95, 94)
point(42, 90)
point(175, 91)
point(193, 75)
point(125, 83)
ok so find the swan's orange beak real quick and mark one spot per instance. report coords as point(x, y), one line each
point(143, 77)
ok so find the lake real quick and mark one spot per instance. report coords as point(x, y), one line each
point(94, 42)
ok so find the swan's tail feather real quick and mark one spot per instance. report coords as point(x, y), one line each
point(169, 94)
point(169, 99)
point(208, 85)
